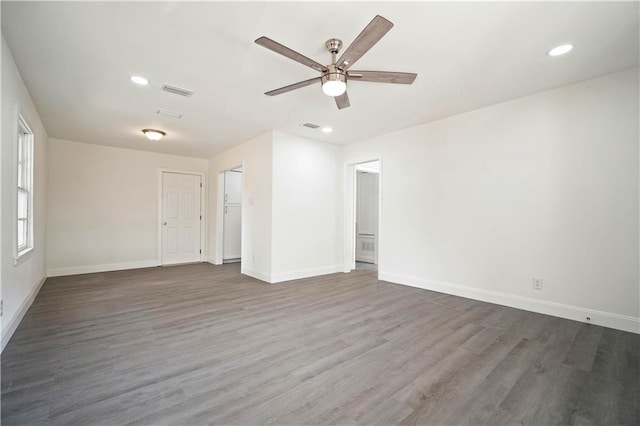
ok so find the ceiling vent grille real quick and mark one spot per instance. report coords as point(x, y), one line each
point(311, 125)
point(177, 90)
point(166, 113)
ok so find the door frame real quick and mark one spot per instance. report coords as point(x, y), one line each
point(218, 256)
point(349, 240)
point(359, 174)
point(203, 210)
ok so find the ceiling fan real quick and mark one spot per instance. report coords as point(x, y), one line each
point(334, 76)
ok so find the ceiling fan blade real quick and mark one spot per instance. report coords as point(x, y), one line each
point(342, 101)
point(294, 86)
point(289, 53)
point(372, 33)
point(382, 76)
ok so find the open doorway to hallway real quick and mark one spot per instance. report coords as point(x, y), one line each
point(232, 216)
point(367, 190)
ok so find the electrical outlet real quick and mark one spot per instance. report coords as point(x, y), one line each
point(537, 283)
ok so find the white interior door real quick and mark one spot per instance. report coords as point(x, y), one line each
point(367, 217)
point(181, 220)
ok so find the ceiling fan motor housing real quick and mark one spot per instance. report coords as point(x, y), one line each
point(334, 73)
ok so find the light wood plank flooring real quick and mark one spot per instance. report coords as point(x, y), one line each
point(202, 344)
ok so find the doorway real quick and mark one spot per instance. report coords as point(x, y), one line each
point(366, 200)
point(366, 226)
point(232, 216)
point(180, 218)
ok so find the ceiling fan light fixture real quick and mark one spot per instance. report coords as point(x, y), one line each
point(334, 88)
point(153, 134)
point(333, 78)
point(334, 82)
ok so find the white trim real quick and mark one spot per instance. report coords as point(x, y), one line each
point(349, 245)
point(160, 217)
point(203, 211)
point(576, 313)
point(257, 275)
point(305, 273)
point(218, 255)
point(107, 267)
point(219, 233)
point(22, 256)
point(21, 121)
point(12, 326)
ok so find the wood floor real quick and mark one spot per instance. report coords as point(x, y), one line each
point(202, 344)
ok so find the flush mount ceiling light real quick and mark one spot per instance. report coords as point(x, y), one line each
point(560, 50)
point(153, 134)
point(327, 130)
point(139, 80)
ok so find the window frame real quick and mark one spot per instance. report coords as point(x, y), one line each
point(24, 168)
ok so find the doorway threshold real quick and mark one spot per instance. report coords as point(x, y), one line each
point(366, 266)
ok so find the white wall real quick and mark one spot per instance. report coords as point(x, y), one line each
point(546, 185)
point(256, 158)
point(291, 206)
point(103, 206)
point(307, 207)
point(20, 283)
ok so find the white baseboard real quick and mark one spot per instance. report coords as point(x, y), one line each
point(305, 273)
point(293, 275)
point(605, 319)
point(257, 275)
point(7, 332)
point(76, 270)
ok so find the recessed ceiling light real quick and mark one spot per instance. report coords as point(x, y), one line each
point(139, 80)
point(560, 50)
point(327, 130)
point(153, 134)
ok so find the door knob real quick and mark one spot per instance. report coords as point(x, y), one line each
point(164, 223)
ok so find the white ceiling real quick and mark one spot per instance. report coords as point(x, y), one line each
point(76, 59)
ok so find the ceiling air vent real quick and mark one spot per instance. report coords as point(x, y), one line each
point(177, 90)
point(166, 113)
point(310, 125)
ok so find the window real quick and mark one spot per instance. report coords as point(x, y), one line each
point(24, 190)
